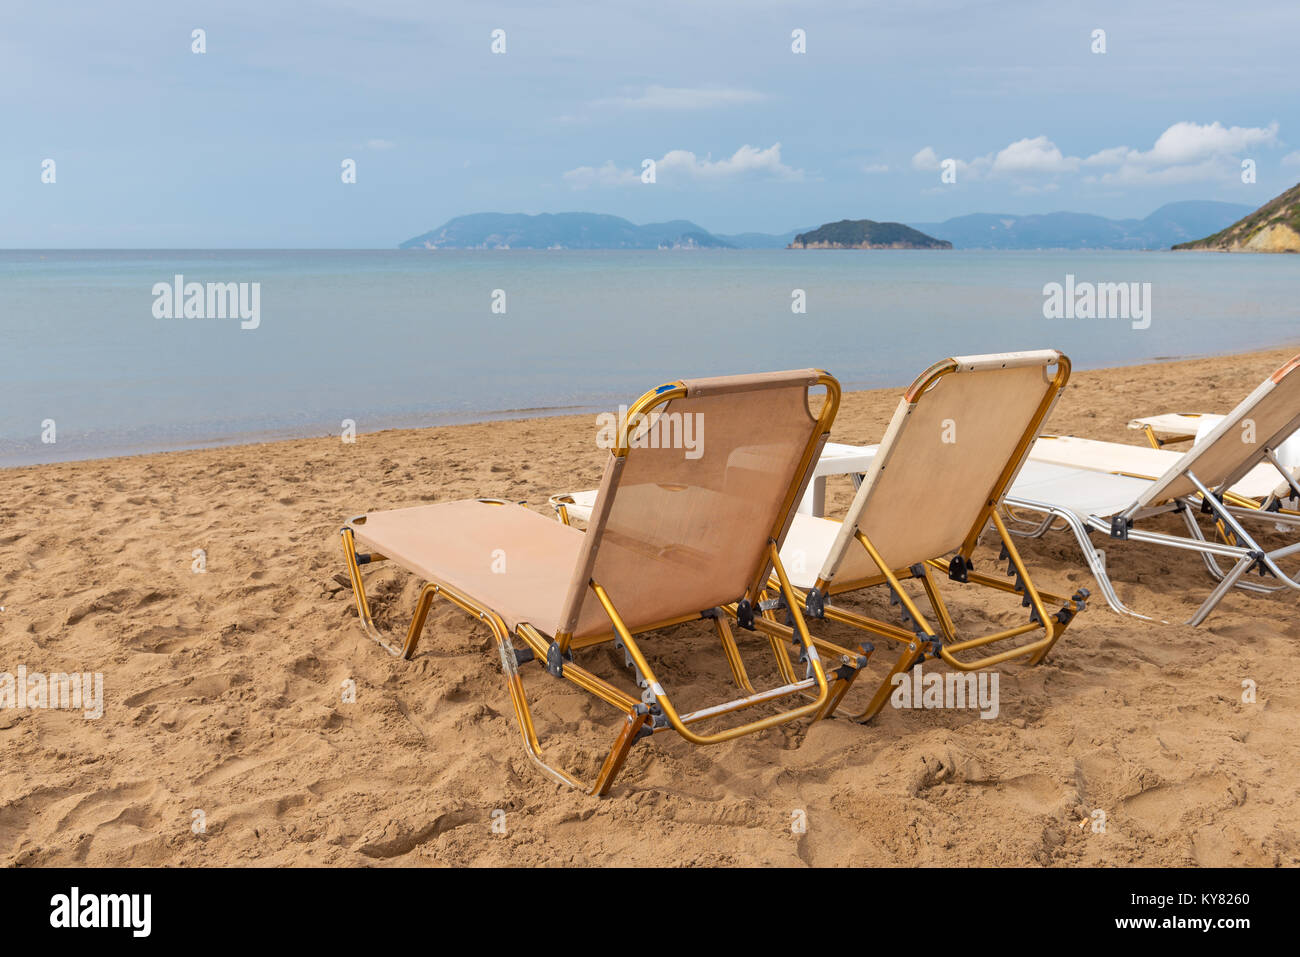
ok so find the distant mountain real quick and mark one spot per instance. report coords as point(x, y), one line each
point(760, 240)
point(562, 231)
point(1273, 228)
point(866, 234)
point(1171, 223)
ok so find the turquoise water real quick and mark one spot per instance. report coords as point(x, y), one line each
point(409, 338)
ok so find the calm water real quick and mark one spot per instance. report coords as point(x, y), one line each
point(408, 338)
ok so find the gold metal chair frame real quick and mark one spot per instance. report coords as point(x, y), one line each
point(924, 641)
point(654, 711)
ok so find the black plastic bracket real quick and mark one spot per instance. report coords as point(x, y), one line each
point(959, 568)
point(555, 660)
point(524, 655)
point(1119, 526)
point(1259, 566)
point(745, 614)
point(816, 602)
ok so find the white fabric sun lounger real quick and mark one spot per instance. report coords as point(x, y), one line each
point(1203, 479)
point(1173, 427)
point(1258, 484)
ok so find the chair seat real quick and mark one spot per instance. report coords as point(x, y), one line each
point(1082, 491)
point(806, 545)
point(506, 558)
point(1100, 456)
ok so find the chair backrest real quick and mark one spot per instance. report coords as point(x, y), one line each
point(959, 436)
point(677, 530)
point(1263, 420)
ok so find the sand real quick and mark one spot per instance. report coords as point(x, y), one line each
point(225, 739)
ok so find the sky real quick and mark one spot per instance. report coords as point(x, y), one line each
point(243, 145)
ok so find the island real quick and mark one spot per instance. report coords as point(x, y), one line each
point(866, 234)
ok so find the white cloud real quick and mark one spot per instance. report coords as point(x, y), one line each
point(380, 145)
point(682, 98)
point(1037, 155)
point(1184, 153)
point(925, 159)
point(1291, 159)
point(1192, 143)
point(682, 165)
point(606, 175)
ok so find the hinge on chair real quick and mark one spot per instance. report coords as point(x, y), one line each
point(1258, 565)
point(658, 720)
point(1119, 526)
point(816, 603)
point(524, 655)
point(1274, 505)
point(771, 604)
point(745, 614)
point(363, 558)
point(1206, 507)
point(959, 568)
point(713, 612)
point(555, 659)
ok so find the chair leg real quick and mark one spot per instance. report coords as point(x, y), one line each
point(1097, 564)
point(359, 595)
point(732, 651)
point(910, 655)
point(617, 756)
point(1220, 590)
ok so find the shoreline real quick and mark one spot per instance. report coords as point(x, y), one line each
point(457, 420)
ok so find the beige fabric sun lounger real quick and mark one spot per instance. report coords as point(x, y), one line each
point(1204, 479)
point(676, 535)
point(957, 440)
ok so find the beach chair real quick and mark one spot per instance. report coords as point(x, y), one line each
point(675, 534)
point(1260, 487)
point(1233, 476)
point(957, 440)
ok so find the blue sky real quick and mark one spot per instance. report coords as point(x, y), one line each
point(241, 146)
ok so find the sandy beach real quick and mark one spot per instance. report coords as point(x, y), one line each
point(223, 704)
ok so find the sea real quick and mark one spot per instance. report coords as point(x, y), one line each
point(102, 358)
